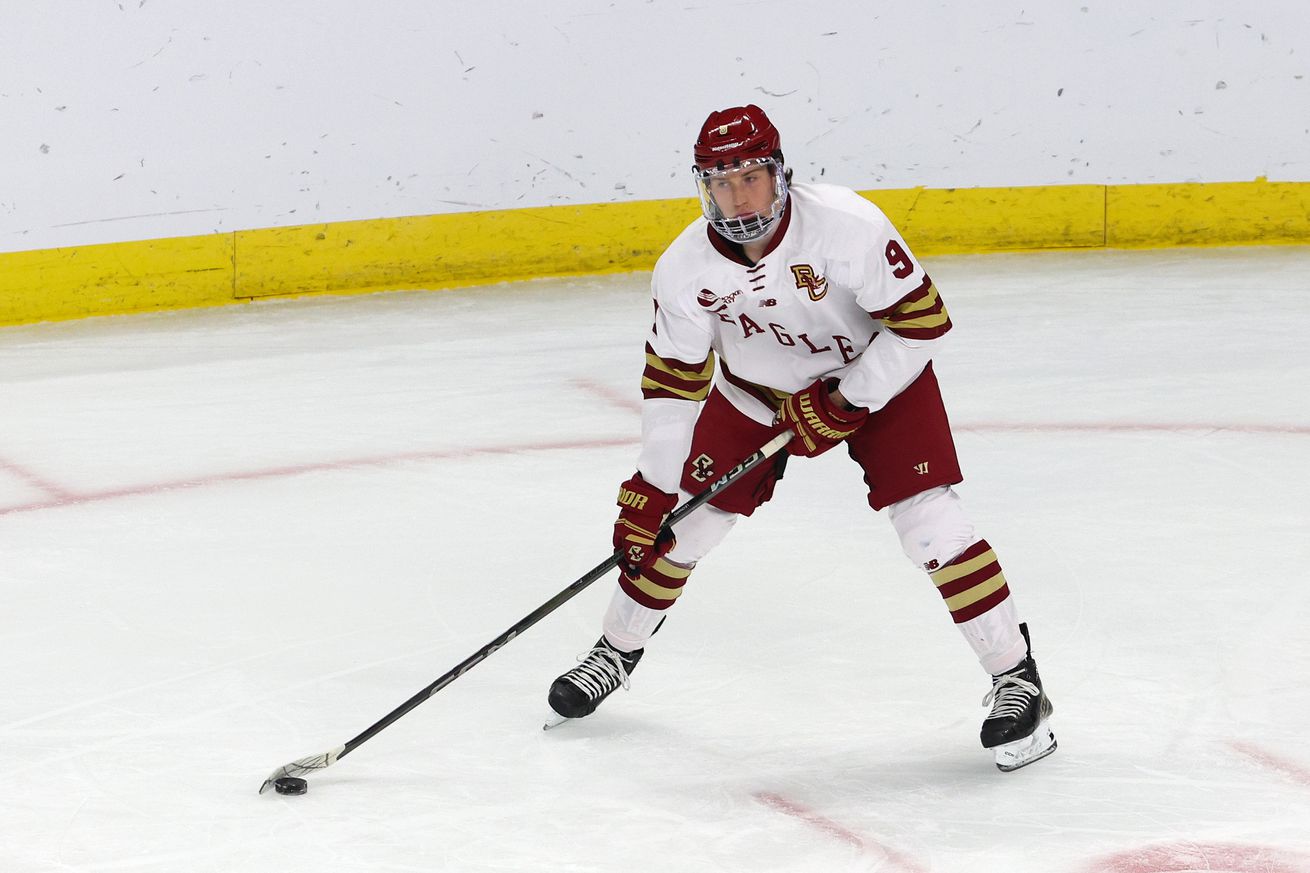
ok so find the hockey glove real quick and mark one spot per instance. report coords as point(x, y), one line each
point(818, 422)
point(637, 539)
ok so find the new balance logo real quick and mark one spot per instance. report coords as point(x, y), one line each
point(921, 468)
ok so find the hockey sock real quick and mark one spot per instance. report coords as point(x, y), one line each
point(630, 622)
point(975, 591)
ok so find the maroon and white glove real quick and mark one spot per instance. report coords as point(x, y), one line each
point(818, 422)
point(637, 540)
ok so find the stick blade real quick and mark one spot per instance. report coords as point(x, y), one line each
point(303, 766)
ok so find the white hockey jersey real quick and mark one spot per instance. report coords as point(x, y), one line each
point(836, 293)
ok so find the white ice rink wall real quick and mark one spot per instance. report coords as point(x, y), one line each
point(142, 119)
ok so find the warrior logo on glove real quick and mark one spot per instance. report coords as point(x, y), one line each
point(642, 509)
point(632, 499)
point(818, 421)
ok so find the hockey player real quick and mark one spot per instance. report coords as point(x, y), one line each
point(821, 321)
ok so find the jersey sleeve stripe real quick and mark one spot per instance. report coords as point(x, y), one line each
point(925, 289)
point(680, 369)
point(651, 390)
point(671, 378)
point(921, 314)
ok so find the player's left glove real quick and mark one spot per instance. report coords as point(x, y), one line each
point(819, 423)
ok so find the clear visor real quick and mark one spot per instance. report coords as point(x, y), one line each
point(744, 201)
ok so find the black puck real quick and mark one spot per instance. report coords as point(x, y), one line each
point(290, 785)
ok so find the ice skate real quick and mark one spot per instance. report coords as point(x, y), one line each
point(578, 692)
point(1017, 729)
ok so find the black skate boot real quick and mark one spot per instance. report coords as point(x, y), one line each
point(1017, 729)
point(602, 672)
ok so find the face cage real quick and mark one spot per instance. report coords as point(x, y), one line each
point(750, 227)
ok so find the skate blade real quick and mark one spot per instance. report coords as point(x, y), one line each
point(554, 720)
point(1029, 750)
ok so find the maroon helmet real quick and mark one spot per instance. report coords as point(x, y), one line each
point(731, 136)
point(732, 142)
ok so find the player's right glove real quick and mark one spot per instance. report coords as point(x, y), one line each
point(642, 509)
point(818, 422)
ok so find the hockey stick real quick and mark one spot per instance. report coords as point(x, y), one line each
point(327, 759)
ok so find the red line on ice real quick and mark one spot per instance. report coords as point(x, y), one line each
point(1133, 427)
point(612, 396)
point(67, 498)
point(624, 401)
point(33, 479)
point(1189, 857)
point(1294, 771)
point(898, 860)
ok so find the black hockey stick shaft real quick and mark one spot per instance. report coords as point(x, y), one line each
point(327, 759)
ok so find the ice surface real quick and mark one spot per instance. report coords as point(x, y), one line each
point(232, 538)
